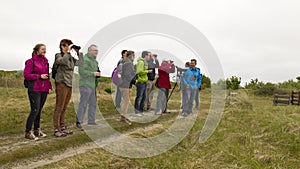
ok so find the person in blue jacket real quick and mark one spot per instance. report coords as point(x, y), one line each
point(191, 83)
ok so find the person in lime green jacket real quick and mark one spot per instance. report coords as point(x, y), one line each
point(141, 85)
point(89, 74)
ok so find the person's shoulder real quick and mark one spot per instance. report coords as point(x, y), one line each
point(30, 60)
point(58, 55)
point(140, 61)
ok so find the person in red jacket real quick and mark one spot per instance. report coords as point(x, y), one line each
point(36, 73)
point(163, 84)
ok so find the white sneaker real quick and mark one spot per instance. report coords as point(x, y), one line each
point(29, 135)
point(139, 114)
point(158, 113)
point(39, 133)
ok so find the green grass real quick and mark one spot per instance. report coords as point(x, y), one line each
point(252, 134)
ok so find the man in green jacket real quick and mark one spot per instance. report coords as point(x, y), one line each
point(88, 82)
point(142, 78)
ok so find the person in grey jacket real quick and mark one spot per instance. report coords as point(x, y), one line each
point(128, 74)
point(64, 64)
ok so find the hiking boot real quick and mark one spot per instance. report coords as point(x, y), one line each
point(79, 126)
point(125, 120)
point(39, 133)
point(66, 130)
point(29, 135)
point(58, 133)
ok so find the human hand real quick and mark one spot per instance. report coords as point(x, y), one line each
point(50, 91)
point(44, 76)
point(70, 47)
point(97, 73)
point(150, 71)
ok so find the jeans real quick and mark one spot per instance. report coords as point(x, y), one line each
point(63, 96)
point(37, 101)
point(188, 106)
point(141, 89)
point(184, 96)
point(87, 97)
point(162, 99)
point(149, 95)
point(118, 98)
point(197, 98)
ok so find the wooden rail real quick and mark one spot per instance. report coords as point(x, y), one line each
point(295, 98)
point(282, 99)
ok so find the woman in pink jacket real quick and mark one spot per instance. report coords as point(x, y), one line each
point(36, 73)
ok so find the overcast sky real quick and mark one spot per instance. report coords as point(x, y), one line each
point(253, 38)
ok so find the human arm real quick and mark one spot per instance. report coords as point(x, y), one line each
point(62, 59)
point(172, 68)
point(140, 68)
point(199, 80)
point(29, 74)
point(156, 63)
point(80, 60)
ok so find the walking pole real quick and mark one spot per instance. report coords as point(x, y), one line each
point(172, 92)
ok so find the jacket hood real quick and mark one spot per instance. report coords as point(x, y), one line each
point(38, 57)
point(140, 59)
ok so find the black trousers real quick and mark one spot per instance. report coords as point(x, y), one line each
point(37, 101)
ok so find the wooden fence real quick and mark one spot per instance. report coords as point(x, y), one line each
point(295, 98)
point(282, 99)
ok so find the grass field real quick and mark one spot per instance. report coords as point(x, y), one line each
point(252, 134)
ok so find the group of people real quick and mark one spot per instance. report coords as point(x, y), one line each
point(142, 75)
point(36, 73)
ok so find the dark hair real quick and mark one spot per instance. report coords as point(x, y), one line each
point(187, 64)
point(37, 48)
point(155, 55)
point(123, 52)
point(194, 60)
point(144, 54)
point(64, 42)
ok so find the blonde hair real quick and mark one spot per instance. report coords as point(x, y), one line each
point(37, 48)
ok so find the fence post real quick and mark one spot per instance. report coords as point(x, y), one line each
point(298, 98)
point(292, 101)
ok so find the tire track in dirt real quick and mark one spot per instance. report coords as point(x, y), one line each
point(73, 151)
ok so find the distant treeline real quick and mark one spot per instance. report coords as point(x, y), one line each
point(261, 88)
point(14, 79)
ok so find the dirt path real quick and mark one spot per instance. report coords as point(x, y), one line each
point(16, 143)
point(67, 153)
point(70, 152)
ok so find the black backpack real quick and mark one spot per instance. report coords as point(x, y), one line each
point(54, 68)
point(29, 83)
point(54, 71)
